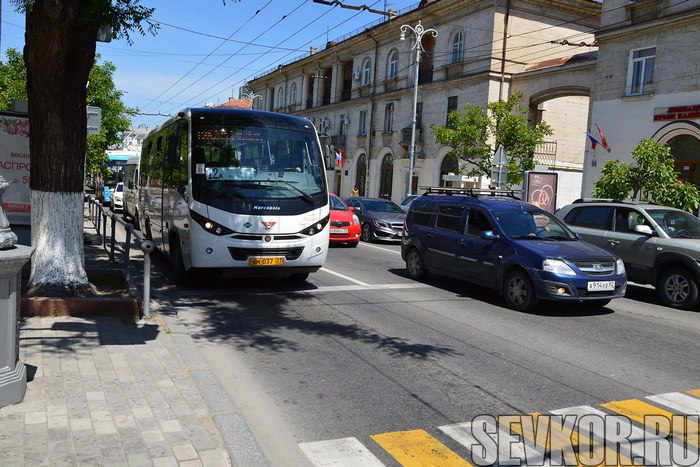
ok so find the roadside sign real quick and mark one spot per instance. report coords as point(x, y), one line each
point(94, 120)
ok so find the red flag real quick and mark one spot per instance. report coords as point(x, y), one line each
point(604, 143)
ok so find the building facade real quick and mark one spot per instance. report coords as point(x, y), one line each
point(647, 83)
point(360, 89)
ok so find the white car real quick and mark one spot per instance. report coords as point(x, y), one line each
point(117, 200)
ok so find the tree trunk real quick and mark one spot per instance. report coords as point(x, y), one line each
point(59, 53)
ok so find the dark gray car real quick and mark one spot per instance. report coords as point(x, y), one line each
point(380, 218)
point(659, 245)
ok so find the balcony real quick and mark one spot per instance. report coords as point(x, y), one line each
point(406, 137)
point(338, 140)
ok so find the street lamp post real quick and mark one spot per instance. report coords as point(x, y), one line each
point(252, 96)
point(418, 31)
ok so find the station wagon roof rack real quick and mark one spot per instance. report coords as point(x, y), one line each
point(602, 200)
point(473, 192)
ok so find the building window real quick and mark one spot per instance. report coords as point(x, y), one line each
point(341, 126)
point(419, 115)
point(366, 72)
point(280, 98)
point(362, 123)
point(389, 117)
point(293, 94)
point(641, 71)
point(392, 71)
point(457, 46)
point(451, 106)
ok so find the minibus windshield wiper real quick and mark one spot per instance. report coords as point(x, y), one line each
point(305, 196)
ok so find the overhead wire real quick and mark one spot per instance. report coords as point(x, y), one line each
point(209, 55)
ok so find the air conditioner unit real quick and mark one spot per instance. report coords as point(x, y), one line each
point(355, 75)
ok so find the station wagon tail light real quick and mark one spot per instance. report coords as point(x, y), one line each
point(620, 266)
point(557, 266)
point(209, 225)
point(316, 227)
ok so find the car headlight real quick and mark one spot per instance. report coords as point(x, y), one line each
point(379, 224)
point(620, 266)
point(557, 266)
point(316, 227)
point(209, 225)
point(355, 220)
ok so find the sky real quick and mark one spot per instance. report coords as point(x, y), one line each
point(205, 50)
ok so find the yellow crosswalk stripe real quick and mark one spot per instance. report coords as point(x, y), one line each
point(555, 436)
point(650, 415)
point(418, 448)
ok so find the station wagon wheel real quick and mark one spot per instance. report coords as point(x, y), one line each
point(678, 288)
point(366, 233)
point(414, 265)
point(518, 291)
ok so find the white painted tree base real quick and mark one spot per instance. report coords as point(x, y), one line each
point(58, 263)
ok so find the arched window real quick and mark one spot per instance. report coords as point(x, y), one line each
point(280, 98)
point(457, 47)
point(361, 174)
point(393, 67)
point(449, 165)
point(386, 177)
point(366, 72)
point(293, 94)
point(686, 150)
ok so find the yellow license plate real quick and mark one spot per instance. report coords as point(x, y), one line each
point(271, 261)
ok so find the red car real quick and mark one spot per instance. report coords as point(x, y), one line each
point(345, 226)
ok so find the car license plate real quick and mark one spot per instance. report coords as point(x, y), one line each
point(339, 231)
point(595, 286)
point(271, 261)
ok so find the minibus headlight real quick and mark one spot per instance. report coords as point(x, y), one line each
point(209, 225)
point(316, 227)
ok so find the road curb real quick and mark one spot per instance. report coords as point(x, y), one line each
point(241, 444)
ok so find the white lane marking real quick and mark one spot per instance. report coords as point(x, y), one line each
point(349, 288)
point(679, 402)
point(343, 276)
point(462, 433)
point(379, 248)
point(339, 453)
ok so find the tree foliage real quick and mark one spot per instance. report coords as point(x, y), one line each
point(13, 79)
point(101, 92)
point(475, 133)
point(651, 177)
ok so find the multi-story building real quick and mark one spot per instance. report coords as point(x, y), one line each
point(360, 89)
point(648, 83)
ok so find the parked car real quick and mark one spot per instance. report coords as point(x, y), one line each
point(406, 203)
point(344, 224)
point(116, 201)
point(491, 238)
point(380, 218)
point(658, 244)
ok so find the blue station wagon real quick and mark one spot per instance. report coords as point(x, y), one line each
point(491, 238)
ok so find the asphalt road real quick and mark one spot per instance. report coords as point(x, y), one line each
point(361, 349)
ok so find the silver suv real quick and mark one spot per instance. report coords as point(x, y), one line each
point(659, 245)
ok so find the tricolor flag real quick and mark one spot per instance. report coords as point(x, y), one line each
point(339, 158)
point(602, 138)
point(594, 142)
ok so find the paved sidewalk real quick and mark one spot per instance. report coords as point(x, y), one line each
point(104, 392)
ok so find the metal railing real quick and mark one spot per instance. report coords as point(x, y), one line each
point(99, 216)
